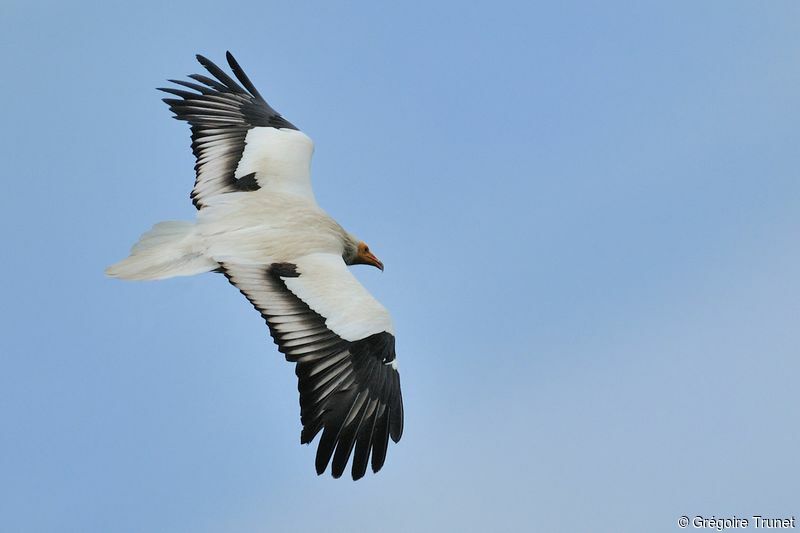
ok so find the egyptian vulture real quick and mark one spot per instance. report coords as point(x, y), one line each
point(259, 224)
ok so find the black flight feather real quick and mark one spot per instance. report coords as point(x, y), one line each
point(349, 390)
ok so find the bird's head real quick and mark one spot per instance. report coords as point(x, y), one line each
point(363, 256)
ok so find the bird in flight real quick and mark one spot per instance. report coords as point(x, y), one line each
point(259, 224)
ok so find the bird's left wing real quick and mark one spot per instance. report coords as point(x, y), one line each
point(342, 340)
point(239, 141)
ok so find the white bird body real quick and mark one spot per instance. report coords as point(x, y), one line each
point(267, 228)
point(259, 223)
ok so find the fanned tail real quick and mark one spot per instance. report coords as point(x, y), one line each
point(170, 249)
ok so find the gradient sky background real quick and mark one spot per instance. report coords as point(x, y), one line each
point(589, 217)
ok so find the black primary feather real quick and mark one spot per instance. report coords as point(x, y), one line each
point(349, 390)
point(220, 103)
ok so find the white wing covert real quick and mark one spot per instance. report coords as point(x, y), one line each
point(342, 340)
point(240, 143)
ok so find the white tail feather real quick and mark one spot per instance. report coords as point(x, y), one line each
point(169, 249)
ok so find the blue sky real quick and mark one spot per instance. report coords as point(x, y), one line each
point(588, 213)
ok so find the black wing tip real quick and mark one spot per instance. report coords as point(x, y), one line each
point(362, 444)
point(358, 413)
point(396, 434)
point(206, 63)
point(326, 457)
point(241, 75)
point(396, 414)
point(253, 105)
point(358, 471)
point(321, 462)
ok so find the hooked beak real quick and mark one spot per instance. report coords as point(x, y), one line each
point(370, 259)
point(365, 257)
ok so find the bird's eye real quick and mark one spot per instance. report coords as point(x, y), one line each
point(366, 249)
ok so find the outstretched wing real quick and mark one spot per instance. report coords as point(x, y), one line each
point(239, 141)
point(342, 340)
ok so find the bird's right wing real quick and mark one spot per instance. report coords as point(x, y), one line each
point(342, 340)
point(240, 142)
